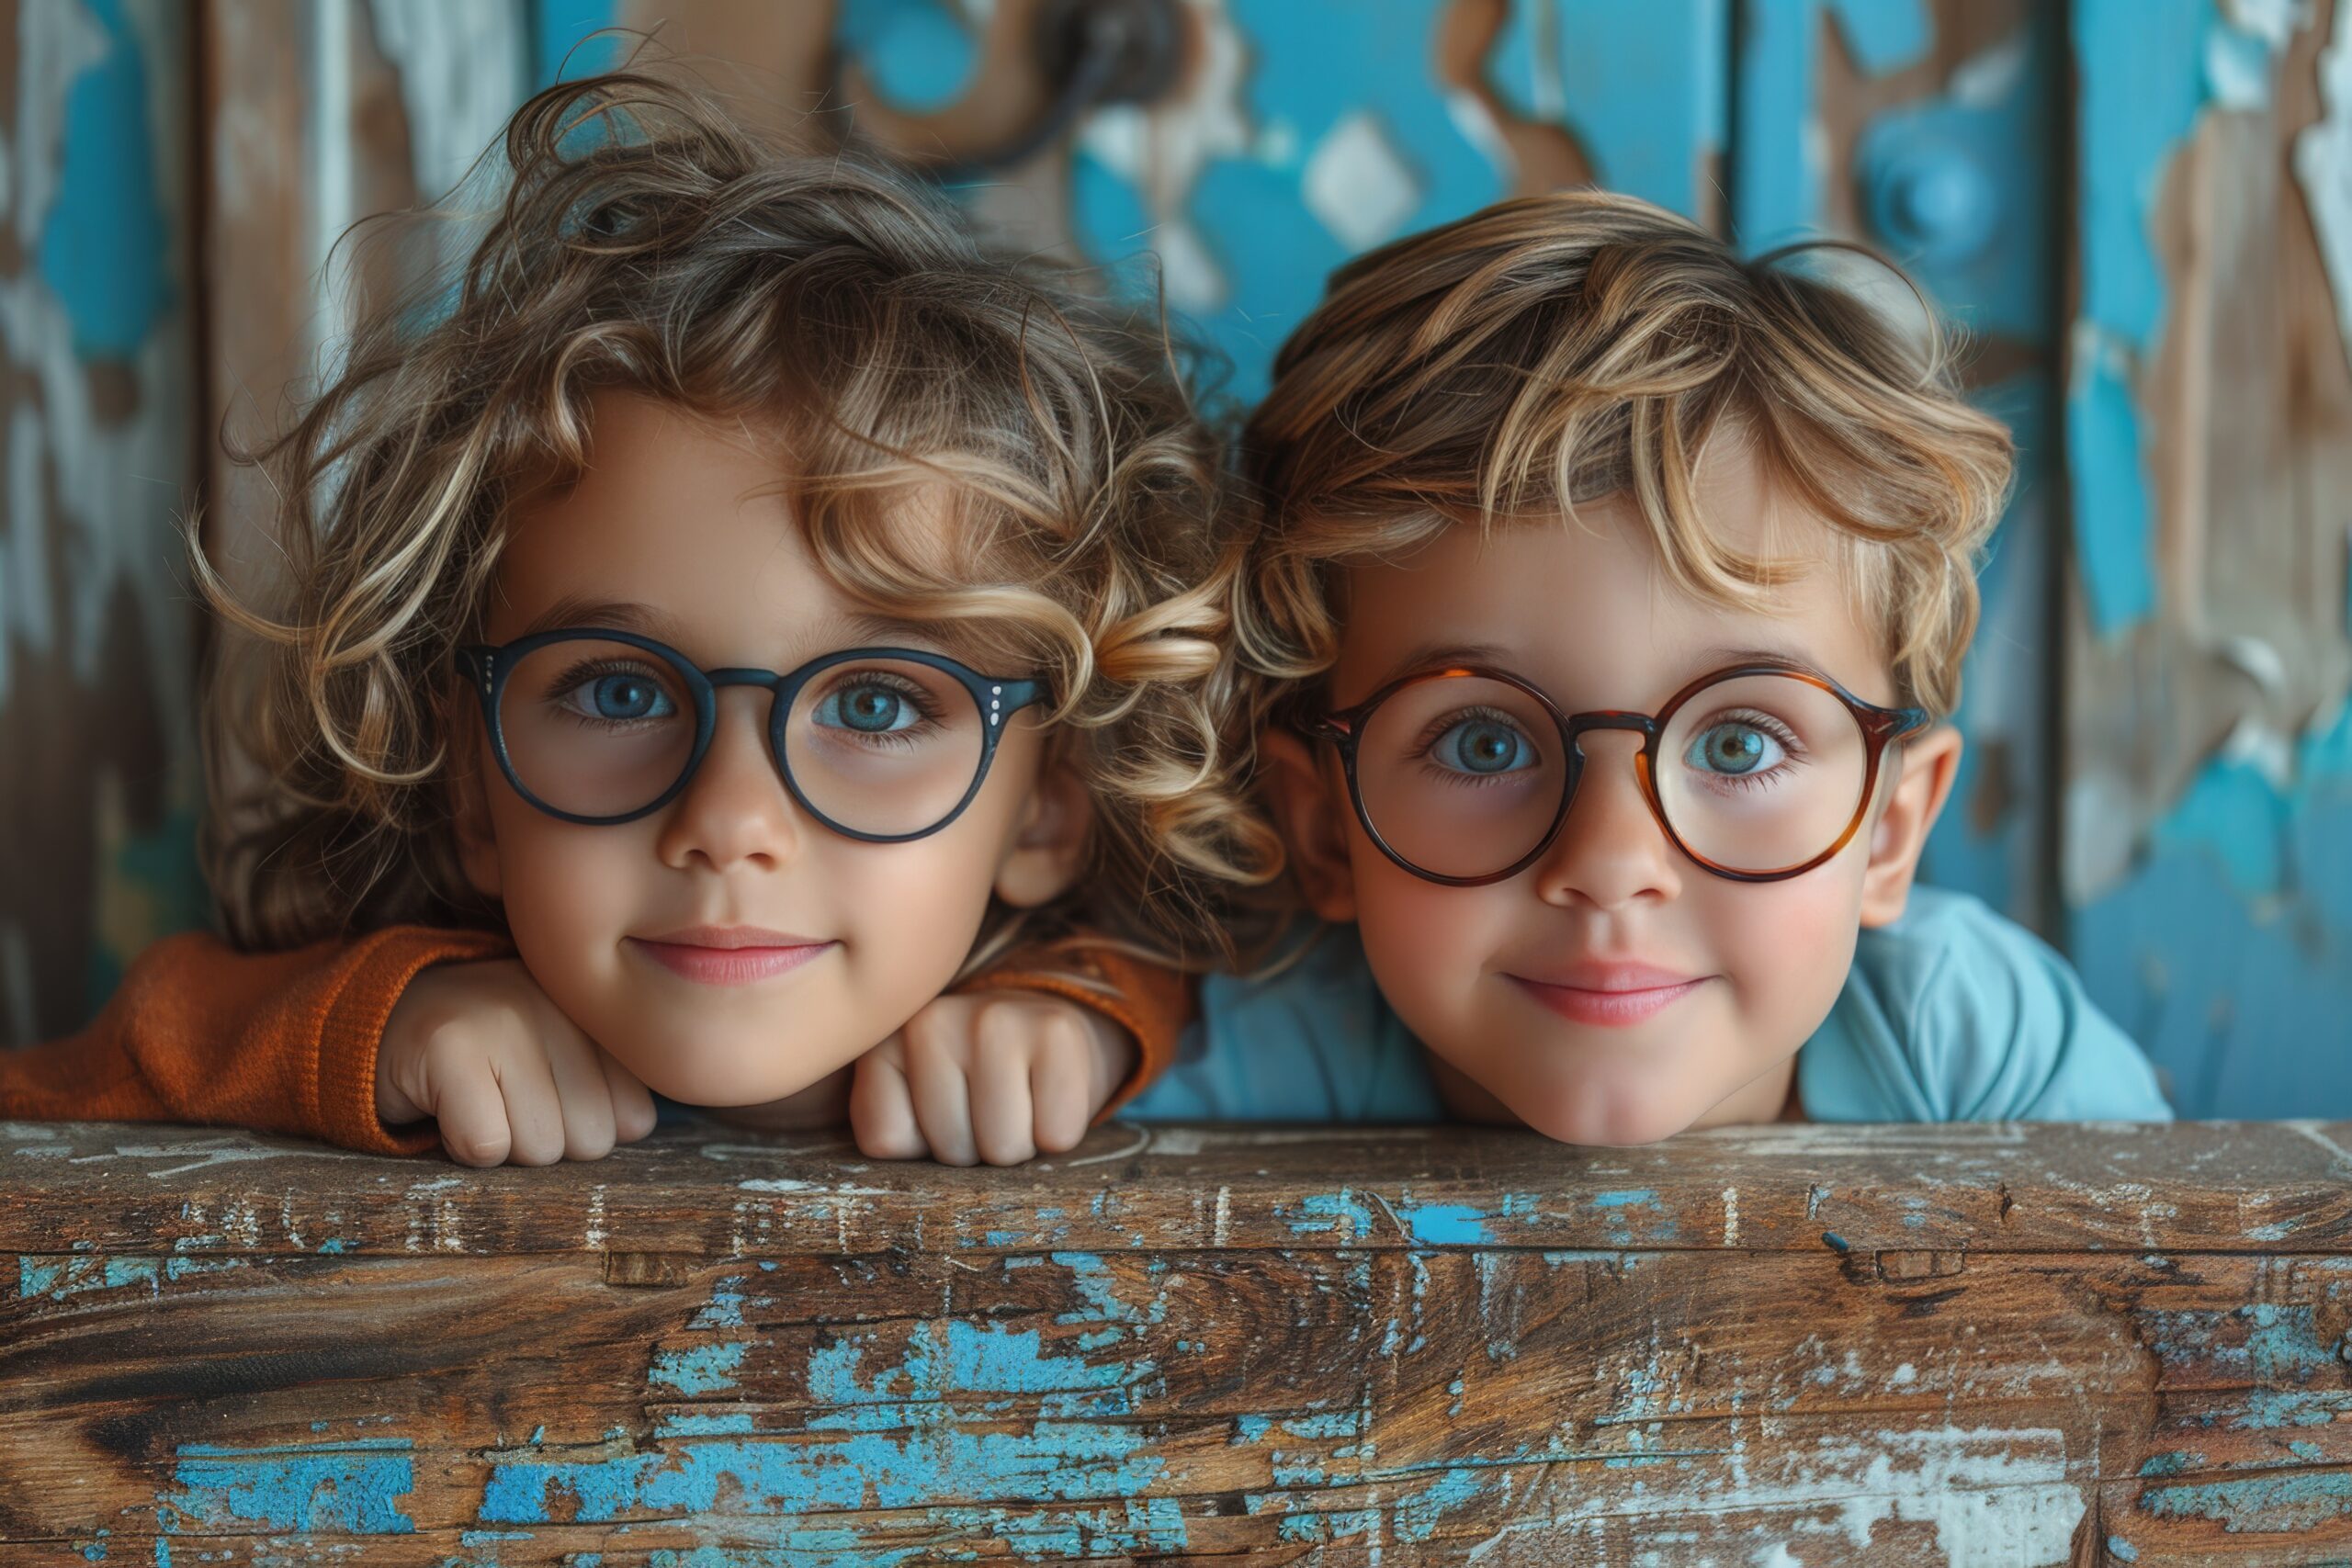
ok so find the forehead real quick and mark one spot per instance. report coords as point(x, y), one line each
point(689, 524)
point(1586, 607)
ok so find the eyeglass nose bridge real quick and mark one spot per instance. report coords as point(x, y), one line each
point(1573, 730)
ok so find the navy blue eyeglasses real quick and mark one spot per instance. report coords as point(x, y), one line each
point(879, 744)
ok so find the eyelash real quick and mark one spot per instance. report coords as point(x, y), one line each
point(1437, 727)
point(1792, 749)
point(926, 709)
point(588, 670)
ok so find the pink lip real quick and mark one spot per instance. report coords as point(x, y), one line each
point(729, 955)
point(1610, 995)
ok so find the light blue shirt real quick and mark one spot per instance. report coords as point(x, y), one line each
point(1949, 1014)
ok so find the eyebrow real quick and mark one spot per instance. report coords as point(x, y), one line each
point(860, 627)
point(1443, 655)
point(617, 615)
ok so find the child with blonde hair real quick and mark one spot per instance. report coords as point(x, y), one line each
point(735, 615)
point(1601, 633)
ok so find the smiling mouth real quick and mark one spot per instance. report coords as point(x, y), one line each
point(715, 965)
point(1615, 1007)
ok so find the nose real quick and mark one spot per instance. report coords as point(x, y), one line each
point(735, 810)
point(1610, 852)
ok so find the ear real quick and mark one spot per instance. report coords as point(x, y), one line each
point(468, 785)
point(1049, 854)
point(1309, 797)
point(1927, 767)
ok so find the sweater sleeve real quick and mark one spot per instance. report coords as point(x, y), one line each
point(277, 1042)
point(1148, 1000)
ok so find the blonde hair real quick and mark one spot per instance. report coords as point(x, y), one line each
point(645, 241)
point(1565, 348)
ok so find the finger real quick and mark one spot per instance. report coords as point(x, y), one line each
point(882, 1108)
point(1061, 1086)
point(533, 1112)
point(1003, 1128)
point(583, 1096)
point(461, 1093)
point(942, 1102)
point(634, 1113)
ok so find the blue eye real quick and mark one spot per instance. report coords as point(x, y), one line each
point(1734, 749)
point(868, 708)
point(1483, 747)
point(620, 699)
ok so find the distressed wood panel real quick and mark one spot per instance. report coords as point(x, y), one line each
point(2208, 753)
point(99, 779)
point(2010, 1345)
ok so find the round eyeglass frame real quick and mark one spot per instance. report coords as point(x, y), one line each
point(486, 668)
point(1881, 727)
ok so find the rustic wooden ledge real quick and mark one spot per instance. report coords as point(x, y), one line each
point(1991, 1345)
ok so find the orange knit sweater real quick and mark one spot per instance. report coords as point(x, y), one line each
point(286, 1042)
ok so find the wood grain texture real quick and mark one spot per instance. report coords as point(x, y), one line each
point(1965, 1344)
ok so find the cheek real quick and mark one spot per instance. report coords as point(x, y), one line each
point(1428, 944)
point(569, 891)
point(1784, 947)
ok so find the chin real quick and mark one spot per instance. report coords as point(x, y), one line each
point(1602, 1119)
point(722, 1075)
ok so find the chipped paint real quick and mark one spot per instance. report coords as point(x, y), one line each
point(352, 1487)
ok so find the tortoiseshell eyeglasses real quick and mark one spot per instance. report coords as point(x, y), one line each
point(1757, 773)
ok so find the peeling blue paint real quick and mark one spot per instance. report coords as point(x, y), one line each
point(1325, 1213)
point(2277, 1351)
point(38, 1276)
point(350, 1488)
point(929, 1429)
point(2140, 92)
point(2113, 516)
point(1314, 64)
point(104, 243)
point(703, 1369)
point(1446, 1224)
point(1776, 193)
point(2206, 1011)
point(919, 53)
point(1640, 87)
point(557, 28)
point(2270, 1504)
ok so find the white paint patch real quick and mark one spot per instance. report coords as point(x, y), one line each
point(1161, 148)
point(2323, 167)
point(462, 71)
point(1731, 1216)
point(1997, 1499)
point(1835, 1139)
point(231, 1149)
point(1986, 81)
point(116, 486)
point(2311, 1130)
point(2096, 850)
point(783, 1147)
point(1358, 184)
point(594, 1240)
point(818, 1188)
point(1224, 1222)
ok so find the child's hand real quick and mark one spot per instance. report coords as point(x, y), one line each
point(480, 1048)
point(997, 1075)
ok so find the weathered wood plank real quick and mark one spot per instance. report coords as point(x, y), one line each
point(1258, 1345)
point(2214, 1187)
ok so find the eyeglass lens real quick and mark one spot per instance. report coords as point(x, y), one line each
point(1464, 776)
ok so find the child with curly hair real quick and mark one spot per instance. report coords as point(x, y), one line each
point(742, 643)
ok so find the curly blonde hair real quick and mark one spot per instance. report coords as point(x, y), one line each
point(645, 241)
point(1566, 348)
